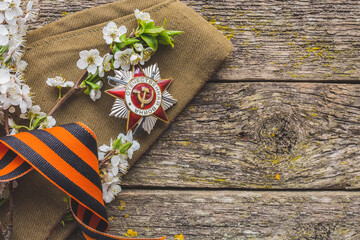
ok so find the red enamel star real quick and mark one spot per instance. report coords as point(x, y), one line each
point(142, 95)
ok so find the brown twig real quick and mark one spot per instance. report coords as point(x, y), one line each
point(66, 212)
point(10, 226)
point(6, 124)
point(71, 92)
point(107, 158)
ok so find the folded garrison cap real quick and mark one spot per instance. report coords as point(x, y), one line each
point(54, 49)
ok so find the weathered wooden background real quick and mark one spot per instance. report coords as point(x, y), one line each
point(269, 149)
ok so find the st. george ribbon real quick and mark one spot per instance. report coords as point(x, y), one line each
point(66, 156)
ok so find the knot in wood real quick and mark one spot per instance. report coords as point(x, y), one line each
point(277, 135)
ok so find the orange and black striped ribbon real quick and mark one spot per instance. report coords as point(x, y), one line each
point(66, 156)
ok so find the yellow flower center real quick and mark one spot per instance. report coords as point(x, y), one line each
point(90, 60)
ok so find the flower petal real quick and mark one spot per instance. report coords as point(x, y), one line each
point(92, 68)
point(3, 30)
point(9, 14)
point(3, 6)
point(81, 63)
point(4, 76)
point(84, 54)
point(122, 30)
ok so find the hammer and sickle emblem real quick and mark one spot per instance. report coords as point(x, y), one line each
point(142, 98)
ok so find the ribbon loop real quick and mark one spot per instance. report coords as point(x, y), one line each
point(66, 156)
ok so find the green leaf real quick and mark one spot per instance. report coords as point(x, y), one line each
point(150, 25)
point(165, 21)
point(142, 24)
point(66, 199)
point(123, 149)
point(92, 78)
point(131, 41)
point(37, 122)
point(165, 39)
point(150, 40)
point(117, 48)
point(88, 89)
point(116, 144)
point(174, 33)
point(120, 46)
point(141, 28)
point(123, 38)
point(4, 48)
point(155, 30)
point(67, 218)
point(93, 85)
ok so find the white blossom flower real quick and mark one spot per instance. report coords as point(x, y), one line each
point(142, 16)
point(104, 149)
point(139, 47)
point(106, 65)
point(96, 94)
point(90, 60)
point(16, 34)
point(10, 95)
point(135, 59)
point(21, 65)
point(13, 126)
point(109, 177)
point(146, 55)
point(49, 122)
point(4, 5)
point(110, 191)
point(33, 111)
point(31, 14)
point(113, 166)
point(122, 59)
point(12, 9)
point(129, 138)
point(5, 76)
point(112, 33)
point(15, 53)
point(18, 77)
point(123, 165)
point(4, 35)
point(118, 163)
point(26, 101)
point(59, 81)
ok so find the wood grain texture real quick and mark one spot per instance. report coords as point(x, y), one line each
point(237, 215)
point(288, 40)
point(260, 136)
point(274, 40)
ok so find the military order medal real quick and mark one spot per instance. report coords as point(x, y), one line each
point(141, 95)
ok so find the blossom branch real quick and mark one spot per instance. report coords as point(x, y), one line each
point(71, 92)
point(107, 158)
point(6, 122)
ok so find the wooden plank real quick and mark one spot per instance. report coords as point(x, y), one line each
point(237, 215)
point(288, 40)
point(274, 40)
point(260, 136)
